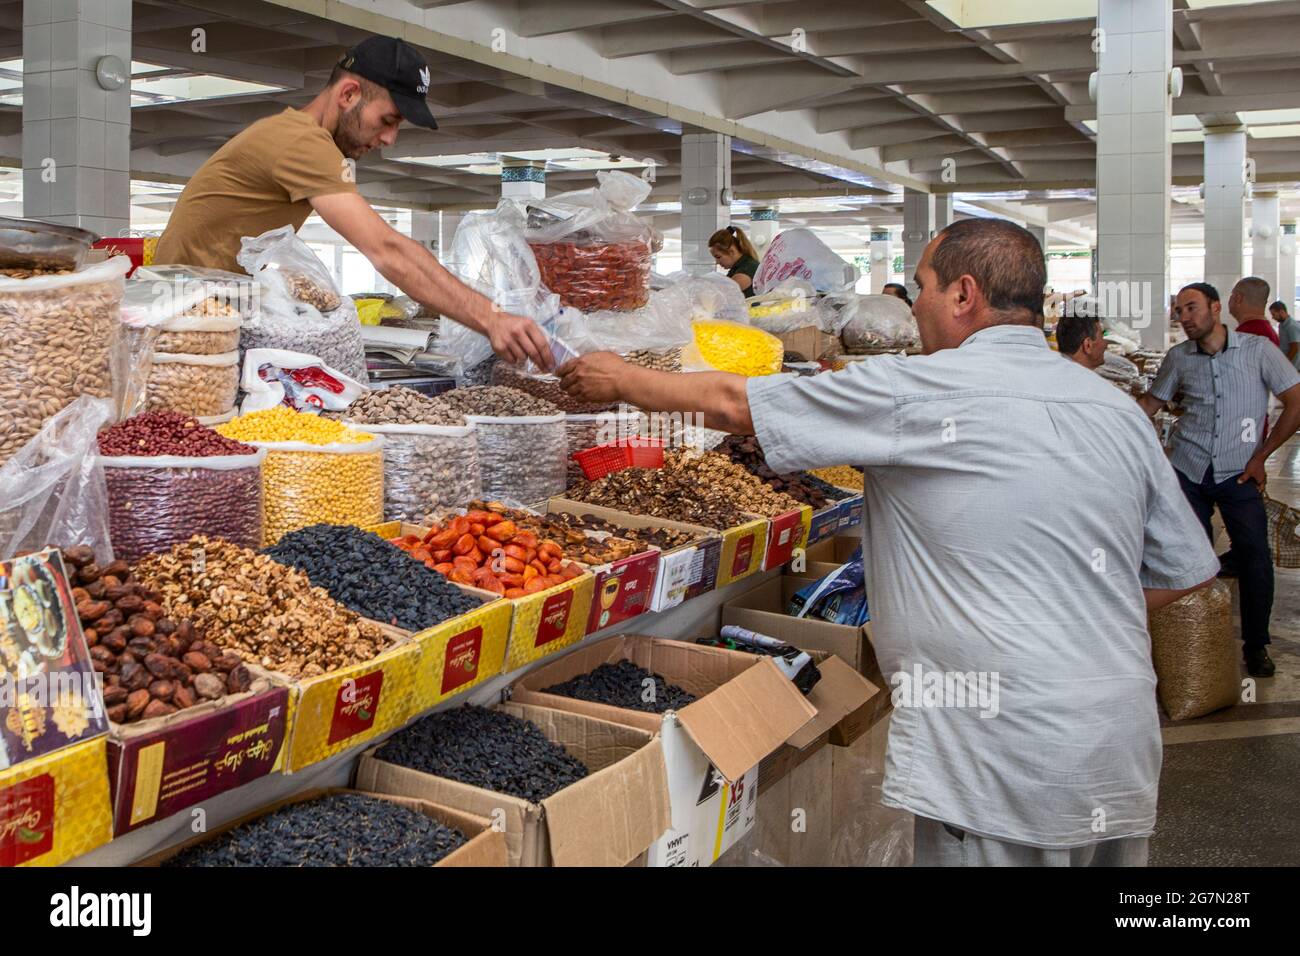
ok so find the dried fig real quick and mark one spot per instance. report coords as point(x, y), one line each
point(115, 695)
point(91, 610)
point(140, 625)
point(197, 662)
point(158, 708)
point(209, 686)
point(136, 702)
point(239, 679)
point(117, 713)
point(184, 697)
point(162, 690)
point(115, 641)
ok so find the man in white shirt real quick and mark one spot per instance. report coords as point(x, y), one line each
point(1021, 519)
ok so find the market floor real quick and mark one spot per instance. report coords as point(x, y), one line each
point(1227, 791)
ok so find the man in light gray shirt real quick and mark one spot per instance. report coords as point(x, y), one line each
point(1224, 379)
point(1288, 331)
point(1020, 520)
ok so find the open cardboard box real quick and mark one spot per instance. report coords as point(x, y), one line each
point(822, 558)
point(785, 533)
point(810, 342)
point(160, 766)
point(541, 623)
point(746, 709)
point(484, 846)
point(608, 818)
point(55, 807)
point(683, 572)
point(763, 609)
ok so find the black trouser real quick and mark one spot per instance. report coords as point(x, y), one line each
point(1242, 509)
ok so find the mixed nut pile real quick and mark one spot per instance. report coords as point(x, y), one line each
point(841, 476)
point(664, 539)
point(364, 572)
point(399, 405)
point(745, 451)
point(153, 663)
point(340, 829)
point(624, 684)
point(496, 401)
point(265, 612)
point(485, 748)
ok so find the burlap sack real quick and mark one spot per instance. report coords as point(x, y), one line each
point(1195, 653)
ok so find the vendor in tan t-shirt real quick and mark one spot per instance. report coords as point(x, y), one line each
point(280, 169)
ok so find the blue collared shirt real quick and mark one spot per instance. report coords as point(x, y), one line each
point(1226, 400)
point(1016, 506)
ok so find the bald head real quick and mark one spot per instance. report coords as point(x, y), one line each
point(1249, 299)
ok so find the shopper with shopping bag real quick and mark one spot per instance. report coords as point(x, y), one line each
point(285, 166)
point(1021, 518)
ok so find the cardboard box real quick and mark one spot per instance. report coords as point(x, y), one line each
point(851, 512)
point(682, 573)
point(825, 523)
point(743, 549)
point(824, 557)
point(549, 621)
point(796, 820)
point(811, 342)
point(462, 652)
point(762, 609)
point(55, 807)
point(785, 533)
point(746, 709)
point(608, 818)
point(163, 765)
point(338, 710)
point(484, 847)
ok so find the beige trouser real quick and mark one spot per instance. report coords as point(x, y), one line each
point(939, 844)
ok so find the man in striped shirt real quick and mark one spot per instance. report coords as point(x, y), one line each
point(1224, 379)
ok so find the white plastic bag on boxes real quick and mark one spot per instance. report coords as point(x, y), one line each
point(798, 253)
point(266, 389)
point(54, 488)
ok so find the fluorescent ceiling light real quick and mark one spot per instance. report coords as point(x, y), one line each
point(971, 14)
point(450, 160)
point(1274, 132)
point(1270, 117)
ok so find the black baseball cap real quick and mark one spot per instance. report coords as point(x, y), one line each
point(394, 65)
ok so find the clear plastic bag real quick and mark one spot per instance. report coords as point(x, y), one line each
point(546, 387)
point(522, 459)
point(730, 347)
point(590, 249)
point(199, 385)
point(280, 260)
point(57, 332)
point(793, 305)
point(875, 323)
point(306, 484)
point(798, 253)
point(285, 323)
point(54, 491)
point(156, 502)
point(427, 469)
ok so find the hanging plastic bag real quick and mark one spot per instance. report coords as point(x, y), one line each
point(589, 247)
point(879, 323)
point(303, 382)
point(798, 253)
point(54, 490)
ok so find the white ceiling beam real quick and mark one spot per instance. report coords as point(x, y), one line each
point(829, 119)
point(550, 17)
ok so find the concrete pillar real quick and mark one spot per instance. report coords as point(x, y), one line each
point(424, 229)
point(882, 258)
point(1225, 218)
point(448, 223)
point(77, 134)
point(764, 224)
point(523, 179)
point(918, 230)
point(1133, 162)
point(706, 195)
point(1286, 267)
point(1264, 237)
point(943, 215)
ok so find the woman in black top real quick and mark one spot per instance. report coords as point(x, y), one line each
point(733, 251)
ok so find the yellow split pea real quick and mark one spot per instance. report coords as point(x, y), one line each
point(302, 488)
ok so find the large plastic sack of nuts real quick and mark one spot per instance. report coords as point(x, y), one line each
point(1195, 653)
point(298, 308)
point(427, 469)
point(798, 254)
point(53, 487)
point(874, 323)
point(590, 249)
point(201, 385)
point(522, 458)
point(57, 332)
point(316, 470)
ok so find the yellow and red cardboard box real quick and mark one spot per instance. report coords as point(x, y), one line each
point(608, 818)
point(745, 709)
point(485, 846)
point(55, 807)
point(786, 532)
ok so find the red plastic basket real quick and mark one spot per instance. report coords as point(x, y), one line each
point(606, 459)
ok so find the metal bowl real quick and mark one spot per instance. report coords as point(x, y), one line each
point(33, 244)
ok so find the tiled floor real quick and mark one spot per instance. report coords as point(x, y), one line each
point(1228, 789)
